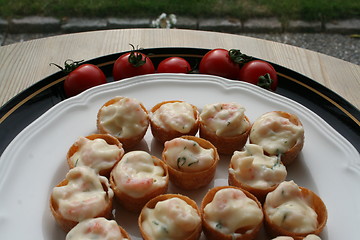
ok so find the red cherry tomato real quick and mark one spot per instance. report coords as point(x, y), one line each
point(260, 73)
point(83, 77)
point(132, 64)
point(174, 65)
point(218, 62)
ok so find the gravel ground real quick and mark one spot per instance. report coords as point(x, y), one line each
point(340, 46)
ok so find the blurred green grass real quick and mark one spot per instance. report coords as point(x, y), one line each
point(312, 10)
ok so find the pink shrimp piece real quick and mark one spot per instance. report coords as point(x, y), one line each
point(173, 143)
point(139, 184)
point(268, 126)
point(285, 121)
point(251, 174)
point(228, 106)
point(237, 194)
point(82, 206)
point(95, 228)
point(221, 202)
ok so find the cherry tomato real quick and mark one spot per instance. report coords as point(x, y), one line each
point(83, 77)
point(132, 64)
point(260, 73)
point(174, 65)
point(218, 62)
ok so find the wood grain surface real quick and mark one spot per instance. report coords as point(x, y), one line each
point(23, 64)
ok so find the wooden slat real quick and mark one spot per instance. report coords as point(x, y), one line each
point(23, 64)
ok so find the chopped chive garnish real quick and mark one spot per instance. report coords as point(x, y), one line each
point(181, 161)
point(193, 163)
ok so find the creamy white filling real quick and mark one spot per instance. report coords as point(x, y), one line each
point(231, 210)
point(125, 118)
point(283, 238)
point(224, 119)
point(170, 219)
point(187, 155)
point(287, 208)
point(96, 228)
point(252, 167)
point(97, 154)
point(84, 195)
point(312, 237)
point(178, 116)
point(136, 174)
point(276, 134)
point(308, 237)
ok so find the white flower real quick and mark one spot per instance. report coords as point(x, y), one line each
point(162, 16)
point(164, 21)
point(173, 19)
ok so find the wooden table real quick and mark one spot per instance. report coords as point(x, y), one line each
point(23, 64)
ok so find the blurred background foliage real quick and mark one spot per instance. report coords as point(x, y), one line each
point(285, 10)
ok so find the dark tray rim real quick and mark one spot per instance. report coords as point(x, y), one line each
point(335, 104)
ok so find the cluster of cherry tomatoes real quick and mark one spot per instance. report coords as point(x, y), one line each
point(231, 64)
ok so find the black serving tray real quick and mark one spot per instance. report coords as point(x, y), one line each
point(27, 106)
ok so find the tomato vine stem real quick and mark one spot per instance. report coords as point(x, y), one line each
point(238, 57)
point(265, 81)
point(135, 57)
point(69, 65)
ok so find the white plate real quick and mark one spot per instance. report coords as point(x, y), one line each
point(35, 162)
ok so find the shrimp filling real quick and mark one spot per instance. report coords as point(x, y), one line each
point(85, 196)
point(96, 228)
point(287, 208)
point(187, 155)
point(252, 167)
point(125, 118)
point(232, 212)
point(96, 154)
point(224, 119)
point(276, 134)
point(170, 219)
point(308, 237)
point(178, 116)
point(137, 174)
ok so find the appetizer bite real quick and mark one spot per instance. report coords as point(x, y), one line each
point(256, 172)
point(230, 213)
point(97, 151)
point(225, 125)
point(98, 228)
point(83, 194)
point(170, 216)
point(124, 118)
point(137, 178)
point(279, 133)
point(191, 161)
point(171, 119)
point(294, 211)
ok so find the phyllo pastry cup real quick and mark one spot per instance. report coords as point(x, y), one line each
point(100, 227)
point(252, 170)
point(294, 211)
point(280, 134)
point(137, 178)
point(225, 125)
point(124, 118)
point(191, 161)
point(81, 195)
point(170, 216)
point(230, 213)
point(172, 119)
point(98, 151)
